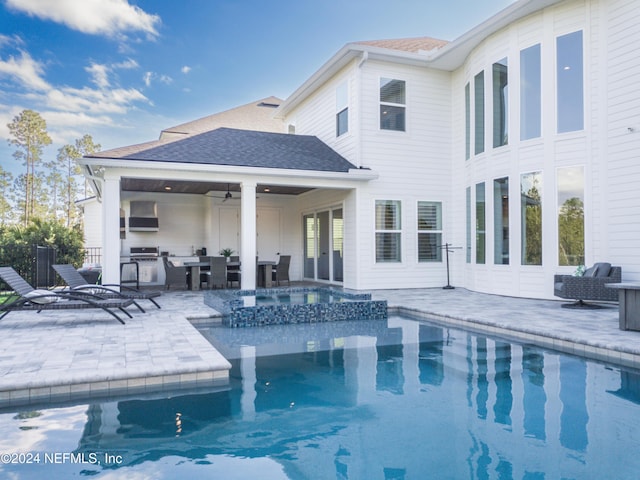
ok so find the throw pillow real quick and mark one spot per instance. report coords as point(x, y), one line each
point(43, 296)
point(603, 269)
point(591, 271)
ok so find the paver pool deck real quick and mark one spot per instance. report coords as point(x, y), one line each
point(59, 356)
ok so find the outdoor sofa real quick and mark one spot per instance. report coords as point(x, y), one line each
point(589, 286)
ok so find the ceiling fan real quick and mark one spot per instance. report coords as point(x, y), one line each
point(227, 196)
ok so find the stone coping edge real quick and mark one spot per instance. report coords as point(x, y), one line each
point(620, 357)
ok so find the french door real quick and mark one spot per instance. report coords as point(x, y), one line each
point(324, 245)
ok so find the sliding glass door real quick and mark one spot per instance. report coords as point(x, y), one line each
point(323, 245)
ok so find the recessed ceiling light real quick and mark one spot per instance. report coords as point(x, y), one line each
point(167, 188)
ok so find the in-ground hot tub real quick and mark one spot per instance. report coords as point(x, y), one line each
point(277, 306)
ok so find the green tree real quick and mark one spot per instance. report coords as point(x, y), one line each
point(571, 232)
point(29, 134)
point(16, 242)
point(532, 248)
point(6, 210)
point(67, 162)
point(85, 146)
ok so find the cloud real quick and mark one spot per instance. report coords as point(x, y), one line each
point(24, 70)
point(148, 77)
point(128, 64)
point(100, 74)
point(186, 69)
point(112, 18)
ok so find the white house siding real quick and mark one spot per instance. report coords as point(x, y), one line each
point(317, 115)
point(620, 40)
point(181, 219)
point(92, 223)
point(412, 166)
point(606, 148)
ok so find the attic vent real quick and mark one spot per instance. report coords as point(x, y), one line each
point(143, 217)
point(269, 105)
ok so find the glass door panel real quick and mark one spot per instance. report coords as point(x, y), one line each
point(324, 246)
point(309, 226)
point(338, 243)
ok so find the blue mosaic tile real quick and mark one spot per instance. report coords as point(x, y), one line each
point(274, 306)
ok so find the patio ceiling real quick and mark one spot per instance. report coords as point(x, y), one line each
point(200, 188)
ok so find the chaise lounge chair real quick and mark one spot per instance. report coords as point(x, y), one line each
point(77, 283)
point(38, 300)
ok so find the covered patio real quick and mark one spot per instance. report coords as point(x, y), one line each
point(259, 194)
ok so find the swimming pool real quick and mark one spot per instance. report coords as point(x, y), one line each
point(389, 399)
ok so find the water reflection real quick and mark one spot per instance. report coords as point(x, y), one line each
point(410, 401)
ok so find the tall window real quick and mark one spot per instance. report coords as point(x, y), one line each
point(388, 231)
point(570, 82)
point(342, 109)
point(531, 218)
point(530, 93)
point(500, 103)
point(392, 104)
point(501, 221)
point(481, 224)
point(467, 121)
point(429, 231)
point(478, 104)
point(468, 224)
point(570, 184)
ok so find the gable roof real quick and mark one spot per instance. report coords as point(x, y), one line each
point(415, 45)
point(257, 115)
point(241, 148)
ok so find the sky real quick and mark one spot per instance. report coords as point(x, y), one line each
point(122, 70)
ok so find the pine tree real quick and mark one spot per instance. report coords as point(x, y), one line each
point(29, 132)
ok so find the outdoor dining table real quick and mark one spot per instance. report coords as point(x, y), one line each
point(264, 273)
point(194, 267)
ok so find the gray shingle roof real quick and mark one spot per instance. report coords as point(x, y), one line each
point(242, 148)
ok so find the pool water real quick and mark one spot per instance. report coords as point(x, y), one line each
point(389, 399)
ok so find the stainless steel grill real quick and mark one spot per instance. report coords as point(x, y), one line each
point(144, 254)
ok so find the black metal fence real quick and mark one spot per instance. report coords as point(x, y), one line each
point(93, 255)
point(32, 262)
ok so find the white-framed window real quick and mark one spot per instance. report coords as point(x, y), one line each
point(530, 92)
point(392, 104)
point(342, 109)
point(429, 232)
point(478, 109)
point(570, 82)
point(388, 231)
point(500, 81)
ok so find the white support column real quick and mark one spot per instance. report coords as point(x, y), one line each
point(111, 230)
point(248, 239)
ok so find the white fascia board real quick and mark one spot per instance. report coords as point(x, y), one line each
point(197, 171)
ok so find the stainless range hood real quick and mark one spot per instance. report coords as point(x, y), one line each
point(143, 216)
